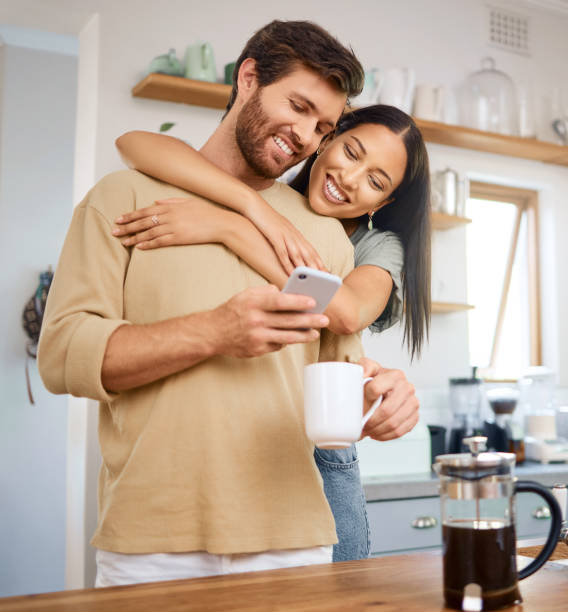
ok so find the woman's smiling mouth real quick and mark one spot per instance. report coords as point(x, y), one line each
point(332, 191)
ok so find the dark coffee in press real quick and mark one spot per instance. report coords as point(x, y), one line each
point(486, 557)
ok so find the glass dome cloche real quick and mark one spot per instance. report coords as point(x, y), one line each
point(488, 100)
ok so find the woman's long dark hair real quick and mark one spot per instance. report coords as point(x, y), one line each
point(408, 215)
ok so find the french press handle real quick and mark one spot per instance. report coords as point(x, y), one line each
point(527, 486)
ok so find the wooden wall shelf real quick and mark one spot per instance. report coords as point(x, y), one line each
point(179, 89)
point(489, 142)
point(447, 307)
point(441, 221)
point(215, 95)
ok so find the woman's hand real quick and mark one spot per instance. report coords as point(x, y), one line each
point(289, 244)
point(174, 221)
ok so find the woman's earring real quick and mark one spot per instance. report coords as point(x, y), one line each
point(370, 224)
point(318, 151)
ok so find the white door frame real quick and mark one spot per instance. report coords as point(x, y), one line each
point(83, 456)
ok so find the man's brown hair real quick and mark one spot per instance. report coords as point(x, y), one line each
point(282, 46)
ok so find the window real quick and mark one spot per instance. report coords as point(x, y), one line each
point(503, 280)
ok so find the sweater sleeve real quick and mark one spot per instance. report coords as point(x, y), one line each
point(85, 302)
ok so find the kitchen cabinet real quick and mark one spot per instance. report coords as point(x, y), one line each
point(215, 95)
point(404, 511)
point(410, 525)
point(404, 524)
point(533, 516)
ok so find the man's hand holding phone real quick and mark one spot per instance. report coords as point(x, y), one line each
point(262, 320)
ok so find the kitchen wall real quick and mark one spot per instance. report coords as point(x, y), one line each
point(36, 147)
point(442, 40)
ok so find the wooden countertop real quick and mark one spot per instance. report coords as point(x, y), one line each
point(400, 583)
point(560, 552)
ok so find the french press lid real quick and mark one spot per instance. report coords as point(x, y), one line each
point(476, 464)
point(475, 475)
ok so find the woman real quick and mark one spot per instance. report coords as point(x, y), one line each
point(372, 175)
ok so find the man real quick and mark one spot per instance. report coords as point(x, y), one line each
point(197, 362)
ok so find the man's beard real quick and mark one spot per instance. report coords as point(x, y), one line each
point(252, 131)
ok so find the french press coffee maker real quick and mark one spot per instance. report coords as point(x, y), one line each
point(477, 492)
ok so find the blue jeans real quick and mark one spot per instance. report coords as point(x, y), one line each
point(342, 486)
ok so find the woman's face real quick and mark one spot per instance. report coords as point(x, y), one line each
point(357, 171)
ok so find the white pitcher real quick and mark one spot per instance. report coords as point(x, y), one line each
point(396, 87)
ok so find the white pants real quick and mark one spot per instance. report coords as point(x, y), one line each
point(115, 569)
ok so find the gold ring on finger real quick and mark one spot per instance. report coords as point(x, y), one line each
point(155, 219)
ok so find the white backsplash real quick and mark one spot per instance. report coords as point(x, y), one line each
point(562, 396)
point(435, 405)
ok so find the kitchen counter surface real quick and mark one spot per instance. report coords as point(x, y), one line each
point(404, 582)
point(426, 484)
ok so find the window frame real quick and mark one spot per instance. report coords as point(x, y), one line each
point(526, 202)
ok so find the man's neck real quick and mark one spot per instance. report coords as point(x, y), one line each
point(222, 150)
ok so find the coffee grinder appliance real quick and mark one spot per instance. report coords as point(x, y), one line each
point(504, 432)
point(465, 404)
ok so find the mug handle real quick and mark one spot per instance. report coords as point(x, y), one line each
point(527, 486)
point(372, 409)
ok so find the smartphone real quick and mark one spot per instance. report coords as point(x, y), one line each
point(315, 283)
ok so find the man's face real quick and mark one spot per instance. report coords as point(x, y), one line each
point(284, 122)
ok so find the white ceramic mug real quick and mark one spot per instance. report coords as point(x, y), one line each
point(333, 403)
point(429, 102)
